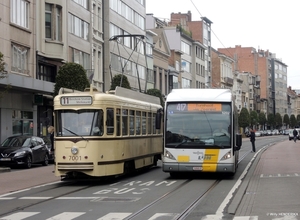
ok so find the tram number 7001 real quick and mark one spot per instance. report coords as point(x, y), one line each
point(74, 158)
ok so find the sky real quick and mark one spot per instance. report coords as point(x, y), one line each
point(263, 24)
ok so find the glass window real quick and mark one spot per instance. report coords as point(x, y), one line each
point(78, 27)
point(22, 122)
point(149, 123)
point(19, 13)
point(118, 117)
point(124, 122)
point(131, 122)
point(19, 59)
point(144, 122)
point(110, 120)
point(138, 123)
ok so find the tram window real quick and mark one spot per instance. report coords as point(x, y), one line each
point(131, 122)
point(110, 120)
point(149, 122)
point(118, 122)
point(138, 123)
point(124, 122)
point(153, 123)
point(144, 122)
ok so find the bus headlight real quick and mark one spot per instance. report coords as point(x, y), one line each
point(169, 155)
point(227, 156)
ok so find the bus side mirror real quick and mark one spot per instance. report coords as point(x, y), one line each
point(158, 119)
point(238, 141)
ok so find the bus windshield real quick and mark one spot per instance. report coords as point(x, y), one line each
point(86, 122)
point(190, 125)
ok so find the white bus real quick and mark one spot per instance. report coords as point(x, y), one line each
point(105, 134)
point(200, 132)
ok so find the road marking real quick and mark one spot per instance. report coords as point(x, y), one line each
point(161, 215)
point(28, 197)
point(115, 216)
point(66, 216)
point(19, 215)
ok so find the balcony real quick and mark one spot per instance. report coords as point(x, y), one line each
point(228, 80)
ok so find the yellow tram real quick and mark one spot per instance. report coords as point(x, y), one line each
point(105, 134)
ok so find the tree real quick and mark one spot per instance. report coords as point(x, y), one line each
point(116, 81)
point(253, 118)
point(3, 75)
point(262, 119)
point(298, 120)
point(293, 121)
point(157, 93)
point(271, 120)
point(244, 118)
point(286, 120)
point(71, 76)
point(278, 120)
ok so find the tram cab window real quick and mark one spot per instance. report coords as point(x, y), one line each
point(124, 122)
point(110, 121)
point(131, 122)
point(138, 123)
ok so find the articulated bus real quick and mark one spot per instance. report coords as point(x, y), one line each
point(200, 132)
point(105, 134)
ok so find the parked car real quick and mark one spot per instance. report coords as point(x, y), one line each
point(47, 141)
point(23, 150)
point(258, 133)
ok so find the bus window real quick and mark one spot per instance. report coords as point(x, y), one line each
point(131, 122)
point(110, 121)
point(118, 115)
point(124, 122)
point(144, 122)
point(149, 122)
point(138, 123)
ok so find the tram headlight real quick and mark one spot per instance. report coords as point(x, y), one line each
point(169, 155)
point(74, 150)
point(227, 156)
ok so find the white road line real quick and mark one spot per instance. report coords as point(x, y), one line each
point(32, 197)
point(89, 198)
point(115, 216)
point(19, 216)
point(7, 198)
point(66, 216)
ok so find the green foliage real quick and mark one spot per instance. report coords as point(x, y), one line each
point(271, 120)
point(298, 120)
point(278, 120)
point(71, 76)
point(157, 93)
point(293, 121)
point(244, 118)
point(3, 75)
point(262, 118)
point(286, 119)
point(253, 118)
point(116, 81)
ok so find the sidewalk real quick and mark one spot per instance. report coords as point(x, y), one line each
point(11, 181)
point(273, 184)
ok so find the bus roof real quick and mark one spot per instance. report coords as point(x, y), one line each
point(198, 95)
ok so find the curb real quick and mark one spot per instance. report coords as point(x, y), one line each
point(4, 169)
point(233, 206)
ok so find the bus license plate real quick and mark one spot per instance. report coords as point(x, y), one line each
point(197, 168)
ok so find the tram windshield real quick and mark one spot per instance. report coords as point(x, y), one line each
point(194, 126)
point(87, 122)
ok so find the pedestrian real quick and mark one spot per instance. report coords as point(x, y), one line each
point(252, 139)
point(295, 133)
point(51, 132)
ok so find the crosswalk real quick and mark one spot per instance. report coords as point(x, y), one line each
point(109, 216)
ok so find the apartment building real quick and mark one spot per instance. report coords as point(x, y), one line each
point(263, 64)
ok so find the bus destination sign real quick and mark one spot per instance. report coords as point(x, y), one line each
point(76, 100)
point(213, 107)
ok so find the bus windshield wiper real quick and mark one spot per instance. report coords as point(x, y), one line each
point(72, 132)
point(182, 142)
